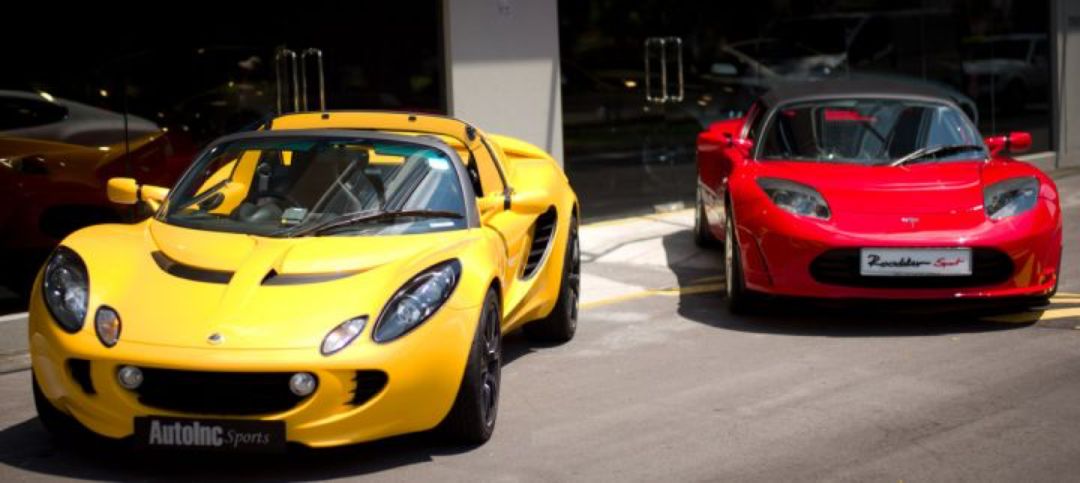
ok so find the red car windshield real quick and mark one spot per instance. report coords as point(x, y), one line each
point(867, 131)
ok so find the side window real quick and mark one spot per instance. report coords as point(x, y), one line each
point(474, 176)
point(753, 122)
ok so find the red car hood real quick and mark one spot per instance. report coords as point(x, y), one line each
point(941, 188)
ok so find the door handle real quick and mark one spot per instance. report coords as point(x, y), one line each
point(285, 62)
point(317, 53)
point(291, 75)
point(668, 51)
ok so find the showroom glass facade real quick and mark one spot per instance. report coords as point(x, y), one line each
point(630, 122)
point(88, 95)
point(183, 75)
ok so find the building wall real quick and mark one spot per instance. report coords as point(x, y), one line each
point(502, 64)
point(1067, 19)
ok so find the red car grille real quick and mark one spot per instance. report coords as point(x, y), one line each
point(841, 267)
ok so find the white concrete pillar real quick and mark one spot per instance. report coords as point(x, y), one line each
point(1066, 32)
point(502, 66)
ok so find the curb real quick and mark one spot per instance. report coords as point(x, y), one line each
point(14, 352)
point(14, 362)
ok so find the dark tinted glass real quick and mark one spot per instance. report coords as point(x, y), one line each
point(22, 112)
point(93, 91)
point(626, 153)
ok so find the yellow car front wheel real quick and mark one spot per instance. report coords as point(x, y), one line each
point(561, 324)
point(472, 418)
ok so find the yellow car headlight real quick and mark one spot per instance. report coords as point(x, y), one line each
point(66, 287)
point(417, 301)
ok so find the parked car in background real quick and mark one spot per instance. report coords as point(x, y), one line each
point(1007, 71)
point(55, 158)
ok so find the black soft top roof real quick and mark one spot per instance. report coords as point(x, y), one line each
point(841, 88)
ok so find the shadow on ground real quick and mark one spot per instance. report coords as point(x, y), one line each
point(812, 318)
point(28, 447)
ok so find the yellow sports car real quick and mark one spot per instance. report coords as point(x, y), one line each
point(331, 278)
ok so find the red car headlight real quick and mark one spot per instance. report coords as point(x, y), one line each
point(1010, 197)
point(795, 198)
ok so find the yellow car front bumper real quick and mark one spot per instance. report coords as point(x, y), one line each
point(423, 372)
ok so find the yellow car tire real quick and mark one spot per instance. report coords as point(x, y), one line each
point(472, 418)
point(561, 324)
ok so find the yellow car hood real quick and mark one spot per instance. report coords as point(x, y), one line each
point(255, 292)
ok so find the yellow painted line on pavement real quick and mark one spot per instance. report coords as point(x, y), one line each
point(1065, 300)
point(1019, 318)
point(669, 292)
point(1064, 313)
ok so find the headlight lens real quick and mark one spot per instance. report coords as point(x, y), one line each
point(1010, 197)
point(795, 198)
point(107, 326)
point(65, 287)
point(417, 300)
point(343, 335)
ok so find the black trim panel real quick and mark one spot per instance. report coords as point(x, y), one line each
point(368, 385)
point(177, 269)
point(274, 278)
point(80, 372)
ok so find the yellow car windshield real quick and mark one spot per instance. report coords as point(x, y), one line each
point(282, 185)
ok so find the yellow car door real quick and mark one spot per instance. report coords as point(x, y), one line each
point(513, 228)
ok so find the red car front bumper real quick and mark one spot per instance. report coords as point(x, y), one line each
point(1015, 257)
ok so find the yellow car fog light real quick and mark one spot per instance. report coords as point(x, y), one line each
point(303, 383)
point(107, 326)
point(129, 377)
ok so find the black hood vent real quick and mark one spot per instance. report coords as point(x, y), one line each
point(177, 269)
point(275, 278)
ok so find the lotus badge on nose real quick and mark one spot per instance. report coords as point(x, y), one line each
point(215, 338)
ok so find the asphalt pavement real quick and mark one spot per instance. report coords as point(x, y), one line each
point(662, 383)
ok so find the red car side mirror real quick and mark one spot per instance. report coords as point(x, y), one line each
point(1014, 142)
point(741, 145)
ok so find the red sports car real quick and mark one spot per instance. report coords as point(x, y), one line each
point(874, 190)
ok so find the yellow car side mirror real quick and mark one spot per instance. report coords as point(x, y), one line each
point(490, 205)
point(123, 191)
point(530, 202)
point(127, 191)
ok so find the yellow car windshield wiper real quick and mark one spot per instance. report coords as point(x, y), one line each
point(923, 153)
point(369, 216)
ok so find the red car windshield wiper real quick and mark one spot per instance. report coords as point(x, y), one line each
point(923, 153)
point(369, 216)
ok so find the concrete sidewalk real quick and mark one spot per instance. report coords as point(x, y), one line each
point(634, 255)
point(13, 350)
